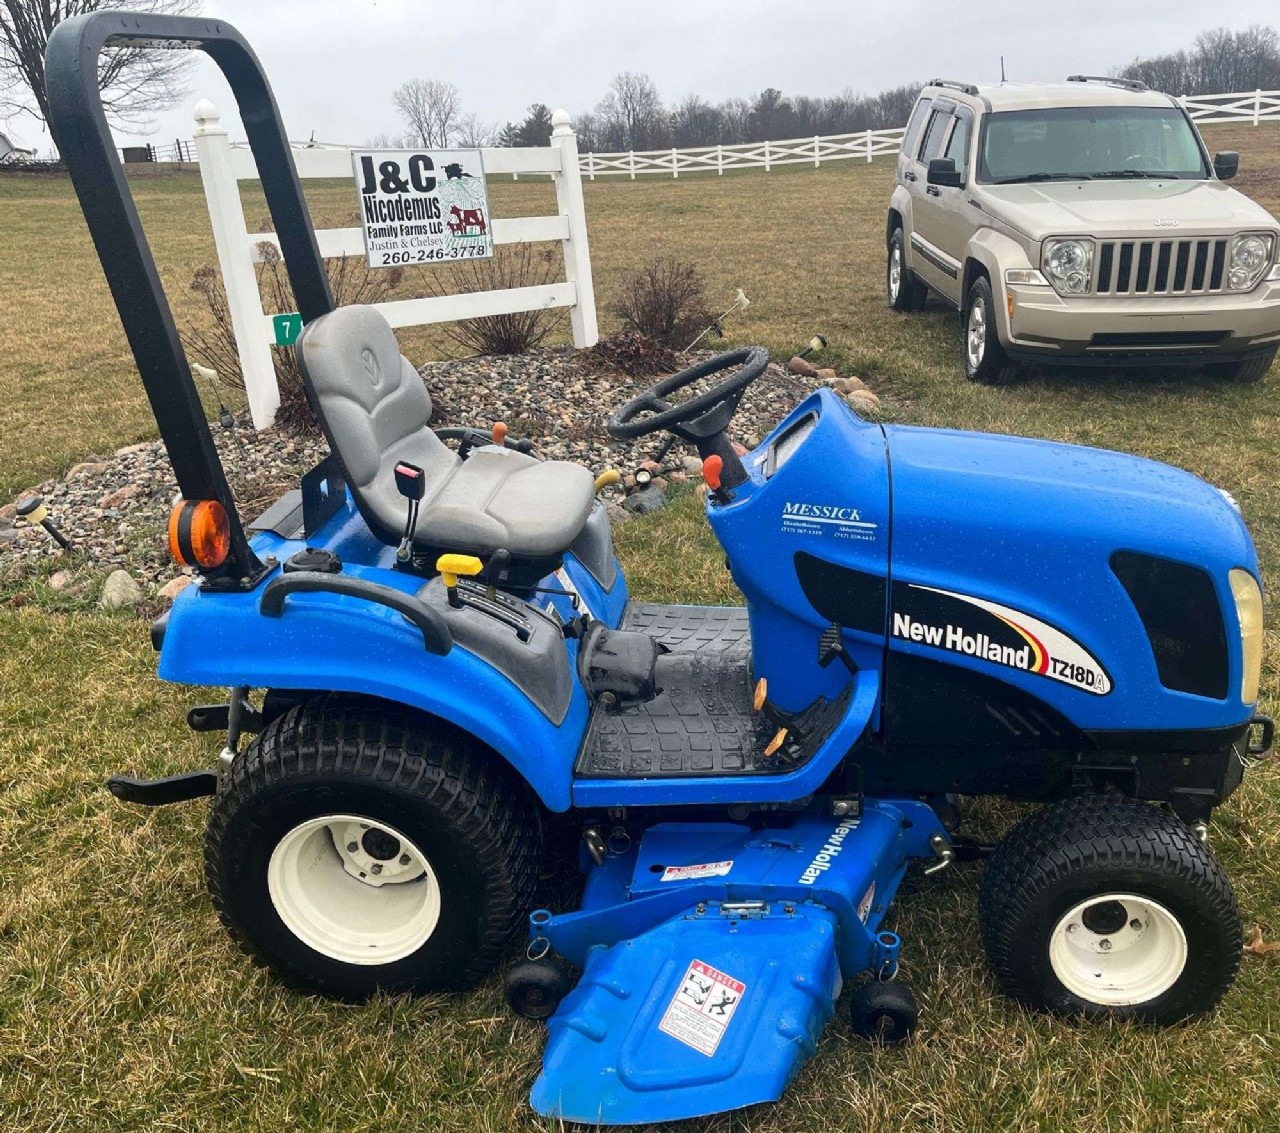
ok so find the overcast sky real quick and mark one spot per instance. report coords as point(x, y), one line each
point(334, 63)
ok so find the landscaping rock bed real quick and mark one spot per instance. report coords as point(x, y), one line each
point(114, 508)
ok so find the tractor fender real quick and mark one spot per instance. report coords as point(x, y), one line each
point(338, 643)
point(992, 252)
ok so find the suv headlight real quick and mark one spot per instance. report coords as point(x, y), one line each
point(1069, 265)
point(1247, 259)
point(1248, 599)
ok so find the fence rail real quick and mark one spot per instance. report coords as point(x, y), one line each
point(1254, 106)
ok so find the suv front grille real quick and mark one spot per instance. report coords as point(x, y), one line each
point(1192, 266)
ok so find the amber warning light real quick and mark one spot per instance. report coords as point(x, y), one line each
point(199, 533)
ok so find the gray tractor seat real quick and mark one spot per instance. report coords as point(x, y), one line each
point(374, 408)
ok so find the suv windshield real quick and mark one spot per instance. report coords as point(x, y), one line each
point(1085, 142)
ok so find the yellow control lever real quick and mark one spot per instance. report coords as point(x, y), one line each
point(451, 566)
point(607, 477)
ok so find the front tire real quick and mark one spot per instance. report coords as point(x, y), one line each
point(1102, 907)
point(985, 360)
point(1243, 370)
point(358, 848)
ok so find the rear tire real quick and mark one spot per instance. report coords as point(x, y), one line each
point(1103, 907)
point(1243, 370)
point(356, 848)
point(903, 291)
point(985, 360)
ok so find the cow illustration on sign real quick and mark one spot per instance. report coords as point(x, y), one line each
point(465, 200)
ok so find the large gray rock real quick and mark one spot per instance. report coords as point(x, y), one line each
point(119, 591)
point(645, 501)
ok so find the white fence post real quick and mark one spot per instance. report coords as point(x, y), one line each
point(868, 147)
point(631, 154)
point(720, 161)
point(591, 165)
point(766, 155)
point(1257, 105)
point(675, 169)
point(577, 256)
point(226, 215)
point(816, 159)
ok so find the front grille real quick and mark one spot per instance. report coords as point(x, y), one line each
point(1192, 266)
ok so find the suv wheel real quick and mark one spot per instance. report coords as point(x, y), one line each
point(985, 361)
point(902, 289)
point(1250, 369)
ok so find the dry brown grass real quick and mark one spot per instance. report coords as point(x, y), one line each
point(124, 1006)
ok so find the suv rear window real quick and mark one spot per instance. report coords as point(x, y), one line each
point(914, 123)
point(1067, 143)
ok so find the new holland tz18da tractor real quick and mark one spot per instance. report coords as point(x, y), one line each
point(430, 652)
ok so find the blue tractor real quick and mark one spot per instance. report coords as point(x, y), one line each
point(435, 669)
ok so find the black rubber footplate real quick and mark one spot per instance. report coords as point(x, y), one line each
point(702, 722)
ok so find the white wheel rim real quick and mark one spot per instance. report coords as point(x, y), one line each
point(976, 338)
point(1118, 950)
point(341, 887)
point(895, 272)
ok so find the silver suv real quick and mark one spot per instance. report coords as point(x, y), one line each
point(1080, 222)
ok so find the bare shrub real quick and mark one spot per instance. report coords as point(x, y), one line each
point(633, 353)
point(666, 300)
point(512, 265)
point(213, 342)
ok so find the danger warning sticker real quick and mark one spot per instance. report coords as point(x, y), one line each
point(700, 1012)
point(689, 872)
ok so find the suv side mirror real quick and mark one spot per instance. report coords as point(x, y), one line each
point(943, 171)
point(1226, 164)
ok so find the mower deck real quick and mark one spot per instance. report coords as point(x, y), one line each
point(703, 721)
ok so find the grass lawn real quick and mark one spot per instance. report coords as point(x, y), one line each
point(123, 1004)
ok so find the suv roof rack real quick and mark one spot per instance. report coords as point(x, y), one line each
point(966, 88)
point(1128, 84)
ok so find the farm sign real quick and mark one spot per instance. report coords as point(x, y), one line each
point(420, 206)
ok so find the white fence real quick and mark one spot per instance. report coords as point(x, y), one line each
point(223, 167)
point(1250, 106)
point(752, 155)
point(1253, 106)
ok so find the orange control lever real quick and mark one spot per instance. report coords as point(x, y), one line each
point(499, 433)
point(712, 468)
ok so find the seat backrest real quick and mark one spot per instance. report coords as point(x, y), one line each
point(374, 408)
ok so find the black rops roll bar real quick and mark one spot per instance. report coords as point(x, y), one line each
point(80, 129)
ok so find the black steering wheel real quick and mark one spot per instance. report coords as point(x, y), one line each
point(705, 416)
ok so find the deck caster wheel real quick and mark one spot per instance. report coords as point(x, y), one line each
point(536, 987)
point(884, 1013)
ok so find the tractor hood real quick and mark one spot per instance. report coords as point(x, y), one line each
point(1125, 208)
point(1026, 531)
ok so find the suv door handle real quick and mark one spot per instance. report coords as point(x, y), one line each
point(934, 191)
point(909, 176)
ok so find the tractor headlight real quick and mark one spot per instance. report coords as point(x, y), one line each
point(1247, 260)
point(1069, 265)
point(1248, 599)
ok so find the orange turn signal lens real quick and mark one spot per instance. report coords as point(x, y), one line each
point(199, 533)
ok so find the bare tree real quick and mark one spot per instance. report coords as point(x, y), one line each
point(1220, 61)
point(431, 108)
point(136, 82)
point(631, 115)
point(472, 133)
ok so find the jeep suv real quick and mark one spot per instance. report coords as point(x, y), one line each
point(1080, 222)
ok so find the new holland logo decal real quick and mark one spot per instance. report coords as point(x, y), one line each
point(960, 623)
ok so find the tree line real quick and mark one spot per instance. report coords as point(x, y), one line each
point(1220, 61)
